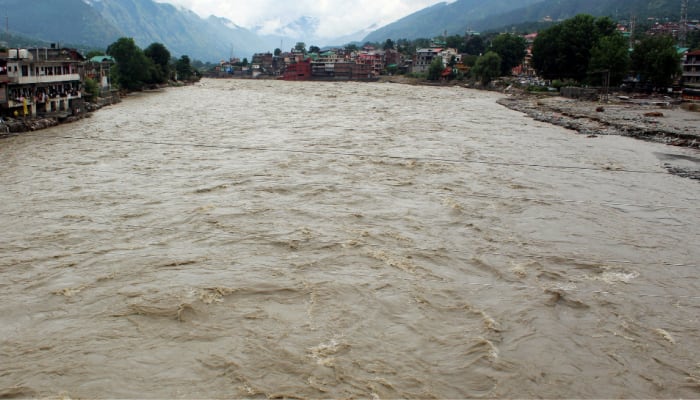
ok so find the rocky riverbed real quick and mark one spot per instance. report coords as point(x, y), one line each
point(659, 121)
point(652, 120)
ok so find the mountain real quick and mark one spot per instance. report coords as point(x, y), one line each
point(462, 15)
point(64, 21)
point(455, 18)
point(180, 30)
point(616, 9)
point(98, 23)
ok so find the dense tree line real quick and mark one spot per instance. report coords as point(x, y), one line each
point(137, 68)
point(583, 49)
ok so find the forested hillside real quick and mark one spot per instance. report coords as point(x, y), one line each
point(463, 15)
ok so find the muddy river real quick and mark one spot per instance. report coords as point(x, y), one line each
point(267, 239)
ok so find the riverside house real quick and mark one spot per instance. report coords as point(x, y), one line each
point(41, 81)
point(691, 76)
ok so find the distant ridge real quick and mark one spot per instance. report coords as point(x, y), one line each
point(480, 15)
point(98, 23)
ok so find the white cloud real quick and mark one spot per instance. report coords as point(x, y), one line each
point(336, 17)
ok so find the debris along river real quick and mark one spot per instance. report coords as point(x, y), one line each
point(315, 240)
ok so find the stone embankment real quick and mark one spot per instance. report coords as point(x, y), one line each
point(11, 126)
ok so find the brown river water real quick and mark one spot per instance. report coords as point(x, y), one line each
point(268, 239)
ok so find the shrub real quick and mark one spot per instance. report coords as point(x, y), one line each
point(92, 88)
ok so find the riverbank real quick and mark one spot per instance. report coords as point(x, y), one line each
point(646, 119)
point(659, 121)
point(12, 126)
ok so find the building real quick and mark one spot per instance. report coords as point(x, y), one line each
point(99, 69)
point(424, 57)
point(40, 81)
point(262, 64)
point(328, 71)
point(691, 76)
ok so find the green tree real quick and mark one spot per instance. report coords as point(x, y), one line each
point(92, 88)
point(351, 48)
point(564, 51)
point(314, 49)
point(132, 65)
point(656, 60)
point(610, 55)
point(388, 45)
point(487, 67)
point(184, 69)
point(435, 69)
point(474, 45)
point(511, 48)
point(455, 42)
point(301, 47)
point(278, 51)
point(94, 53)
point(160, 56)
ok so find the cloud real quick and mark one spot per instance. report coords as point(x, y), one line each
point(336, 17)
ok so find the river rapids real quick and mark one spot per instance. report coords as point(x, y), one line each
point(269, 239)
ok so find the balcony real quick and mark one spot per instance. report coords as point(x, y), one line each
point(31, 80)
point(15, 103)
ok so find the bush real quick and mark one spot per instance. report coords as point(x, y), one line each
point(92, 88)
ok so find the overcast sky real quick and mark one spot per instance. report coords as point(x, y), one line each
point(337, 17)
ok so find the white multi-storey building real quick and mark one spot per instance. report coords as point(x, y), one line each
point(42, 80)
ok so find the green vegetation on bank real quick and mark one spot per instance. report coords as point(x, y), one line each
point(583, 50)
point(137, 68)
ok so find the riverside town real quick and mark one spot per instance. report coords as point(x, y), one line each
point(480, 200)
point(59, 84)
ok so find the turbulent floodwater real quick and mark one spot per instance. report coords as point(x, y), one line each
point(316, 240)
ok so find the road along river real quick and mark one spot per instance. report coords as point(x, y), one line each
point(315, 240)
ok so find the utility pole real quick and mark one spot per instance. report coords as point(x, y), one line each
point(683, 32)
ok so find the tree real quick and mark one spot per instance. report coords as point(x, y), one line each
point(487, 67)
point(92, 88)
point(474, 45)
point(300, 47)
point(314, 49)
point(564, 50)
point(278, 51)
point(435, 69)
point(133, 66)
point(388, 45)
point(455, 42)
point(511, 48)
point(94, 53)
point(351, 48)
point(160, 56)
point(656, 60)
point(610, 55)
point(184, 69)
